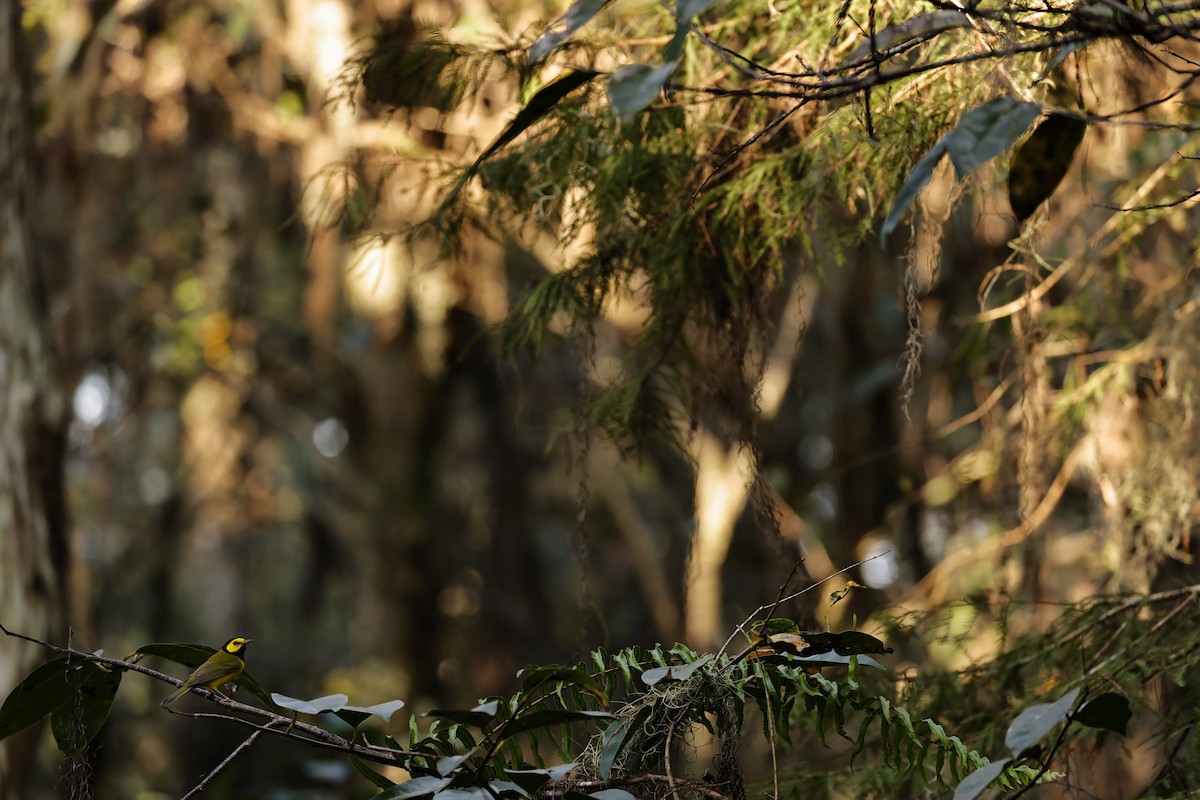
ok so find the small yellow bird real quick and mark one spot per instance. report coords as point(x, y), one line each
point(223, 666)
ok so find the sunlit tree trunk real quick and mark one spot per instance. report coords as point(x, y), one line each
point(318, 42)
point(31, 534)
point(724, 476)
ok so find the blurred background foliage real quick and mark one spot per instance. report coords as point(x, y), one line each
point(289, 422)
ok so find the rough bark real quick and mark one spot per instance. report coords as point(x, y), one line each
point(31, 533)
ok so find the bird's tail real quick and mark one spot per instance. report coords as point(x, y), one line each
point(178, 693)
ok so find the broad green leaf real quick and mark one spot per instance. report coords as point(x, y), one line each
point(920, 175)
point(535, 676)
point(507, 789)
point(417, 787)
point(675, 672)
point(974, 784)
point(479, 716)
point(823, 660)
point(468, 793)
point(192, 656)
point(988, 130)
point(919, 762)
point(906, 720)
point(898, 34)
point(1060, 55)
point(612, 794)
point(775, 625)
point(357, 715)
point(94, 688)
point(687, 10)
point(533, 779)
point(1110, 711)
point(821, 704)
point(983, 133)
point(330, 702)
point(449, 764)
point(370, 774)
point(655, 674)
point(611, 743)
point(831, 660)
point(633, 87)
point(860, 742)
point(575, 17)
point(1036, 721)
point(42, 692)
point(684, 671)
point(839, 720)
point(529, 779)
point(625, 662)
point(846, 643)
point(461, 736)
point(603, 794)
point(550, 716)
point(538, 106)
point(674, 48)
point(1041, 161)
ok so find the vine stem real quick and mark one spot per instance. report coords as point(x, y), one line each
point(667, 761)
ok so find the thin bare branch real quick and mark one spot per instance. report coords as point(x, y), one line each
point(217, 770)
point(291, 728)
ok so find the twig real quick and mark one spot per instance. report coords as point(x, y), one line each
point(732, 155)
point(770, 613)
point(782, 589)
point(742, 626)
point(114, 663)
point(296, 730)
point(220, 767)
point(1170, 762)
point(772, 737)
point(315, 735)
point(1170, 615)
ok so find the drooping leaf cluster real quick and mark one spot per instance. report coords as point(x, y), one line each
point(629, 719)
point(695, 157)
point(615, 721)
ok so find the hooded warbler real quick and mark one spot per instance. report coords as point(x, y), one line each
point(223, 666)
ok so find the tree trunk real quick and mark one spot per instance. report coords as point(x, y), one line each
point(32, 551)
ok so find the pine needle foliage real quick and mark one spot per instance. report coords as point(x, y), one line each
point(672, 201)
point(783, 135)
point(778, 145)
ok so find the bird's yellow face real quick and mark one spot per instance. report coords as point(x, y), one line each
point(237, 645)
